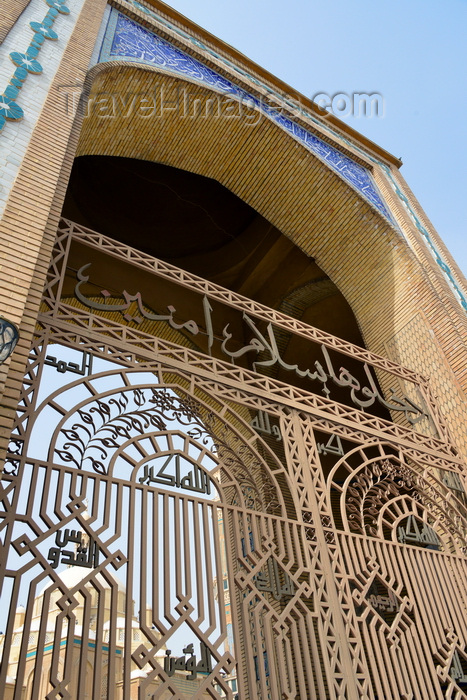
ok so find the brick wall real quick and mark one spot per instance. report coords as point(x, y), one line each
point(388, 277)
point(43, 147)
point(11, 11)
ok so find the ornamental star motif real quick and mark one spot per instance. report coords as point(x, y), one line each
point(9, 110)
point(24, 60)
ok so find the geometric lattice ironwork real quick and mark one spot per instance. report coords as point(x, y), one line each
point(178, 526)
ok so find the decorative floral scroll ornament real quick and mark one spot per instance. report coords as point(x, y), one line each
point(366, 494)
point(438, 500)
point(258, 490)
point(237, 460)
point(97, 429)
point(107, 422)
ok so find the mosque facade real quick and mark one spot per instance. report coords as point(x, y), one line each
point(232, 380)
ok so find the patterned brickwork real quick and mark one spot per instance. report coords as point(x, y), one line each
point(419, 231)
point(414, 224)
point(447, 320)
point(30, 217)
point(197, 42)
point(357, 610)
point(402, 348)
point(366, 258)
point(11, 10)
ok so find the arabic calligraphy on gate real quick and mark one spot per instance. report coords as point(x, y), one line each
point(362, 396)
point(204, 666)
point(171, 473)
point(416, 532)
point(85, 552)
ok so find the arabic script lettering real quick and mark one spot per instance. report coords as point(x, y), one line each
point(416, 533)
point(172, 664)
point(323, 372)
point(196, 480)
point(85, 552)
point(262, 424)
point(332, 447)
point(62, 366)
point(270, 581)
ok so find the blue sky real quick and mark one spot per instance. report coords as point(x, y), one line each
point(413, 53)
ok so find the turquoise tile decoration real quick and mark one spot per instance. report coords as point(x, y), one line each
point(26, 62)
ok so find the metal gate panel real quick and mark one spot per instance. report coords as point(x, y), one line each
point(175, 526)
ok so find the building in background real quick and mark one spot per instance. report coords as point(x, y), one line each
point(241, 359)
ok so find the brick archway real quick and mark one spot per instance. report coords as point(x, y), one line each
point(297, 193)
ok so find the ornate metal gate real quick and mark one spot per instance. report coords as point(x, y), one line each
point(178, 527)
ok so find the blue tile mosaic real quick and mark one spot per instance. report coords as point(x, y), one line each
point(428, 239)
point(128, 41)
